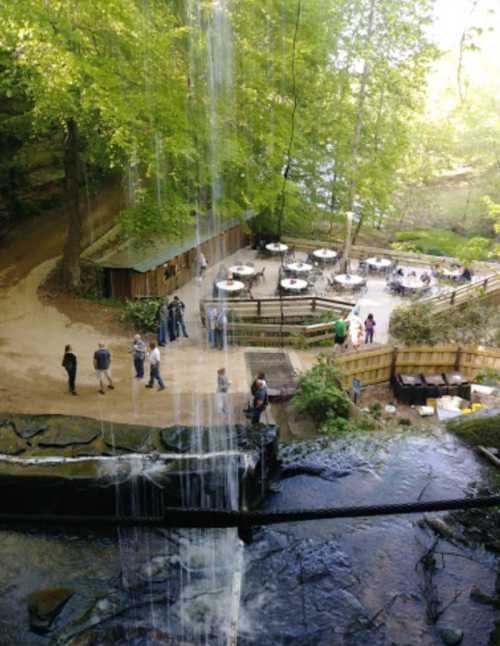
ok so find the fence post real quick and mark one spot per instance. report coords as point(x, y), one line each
point(458, 358)
point(314, 304)
point(485, 284)
point(393, 362)
point(452, 298)
point(259, 306)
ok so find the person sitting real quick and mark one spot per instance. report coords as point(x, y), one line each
point(466, 274)
point(425, 278)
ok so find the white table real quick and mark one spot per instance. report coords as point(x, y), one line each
point(230, 286)
point(277, 247)
point(378, 263)
point(454, 274)
point(327, 255)
point(245, 271)
point(293, 284)
point(411, 284)
point(298, 267)
point(349, 280)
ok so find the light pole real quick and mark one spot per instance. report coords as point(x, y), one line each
point(346, 265)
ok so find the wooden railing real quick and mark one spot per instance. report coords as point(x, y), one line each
point(279, 321)
point(487, 287)
point(379, 364)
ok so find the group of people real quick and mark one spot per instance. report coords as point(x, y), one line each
point(102, 365)
point(169, 320)
point(258, 390)
point(355, 327)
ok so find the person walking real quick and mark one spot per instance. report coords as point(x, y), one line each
point(154, 367)
point(69, 364)
point(102, 365)
point(211, 322)
point(223, 384)
point(369, 328)
point(221, 330)
point(179, 317)
point(138, 351)
point(340, 332)
point(161, 320)
point(260, 401)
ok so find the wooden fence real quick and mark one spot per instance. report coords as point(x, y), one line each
point(280, 321)
point(377, 365)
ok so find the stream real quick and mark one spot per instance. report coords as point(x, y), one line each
point(328, 582)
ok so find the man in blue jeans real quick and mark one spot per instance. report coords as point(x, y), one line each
point(102, 365)
point(154, 367)
point(260, 401)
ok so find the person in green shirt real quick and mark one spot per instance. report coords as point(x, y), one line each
point(340, 331)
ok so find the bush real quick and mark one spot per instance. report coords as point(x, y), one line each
point(141, 314)
point(404, 421)
point(320, 394)
point(414, 324)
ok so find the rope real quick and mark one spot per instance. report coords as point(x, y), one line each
point(214, 518)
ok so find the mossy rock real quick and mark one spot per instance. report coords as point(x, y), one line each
point(478, 429)
point(45, 604)
point(495, 635)
point(10, 442)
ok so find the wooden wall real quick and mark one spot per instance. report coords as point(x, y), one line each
point(127, 283)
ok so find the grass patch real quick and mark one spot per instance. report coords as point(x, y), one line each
point(436, 242)
point(477, 431)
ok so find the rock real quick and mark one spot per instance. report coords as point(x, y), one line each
point(451, 636)
point(485, 599)
point(439, 527)
point(68, 433)
point(44, 605)
point(136, 439)
point(10, 442)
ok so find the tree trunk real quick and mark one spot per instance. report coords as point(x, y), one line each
point(72, 247)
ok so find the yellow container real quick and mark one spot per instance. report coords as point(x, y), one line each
point(430, 401)
point(465, 411)
point(476, 406)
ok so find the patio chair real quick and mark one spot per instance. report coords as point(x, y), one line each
point(259, 276)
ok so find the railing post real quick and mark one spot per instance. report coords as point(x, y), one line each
point(485, 284)
point(314, 304)
point(458, 357)
point(452, 298)
point(393, 362)
point(259, 307)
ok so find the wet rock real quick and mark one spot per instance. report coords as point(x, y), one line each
point(438, 526)
point(44, 605)
point(451, 636)
point(485, 599)
point(67, 436)
point(123, 437)
point(495, 635)
point(10, 442)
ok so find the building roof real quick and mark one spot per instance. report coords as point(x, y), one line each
point(111, 252)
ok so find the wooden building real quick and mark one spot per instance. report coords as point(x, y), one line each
point(159, 269)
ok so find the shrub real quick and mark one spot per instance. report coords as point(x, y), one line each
point(375, 409)
point(320, 394)
point(141, 314)
point(404, 421)
point(413, 324)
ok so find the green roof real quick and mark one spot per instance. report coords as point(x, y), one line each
point(111, 252)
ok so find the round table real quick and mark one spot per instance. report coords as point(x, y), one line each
point(230, 286)
point(453, 274)
point(293, 284)
point(277, 247)
point(245, 271)
point(298, 267)
point(327, 255)
point(349, 280)
point(411, 284)
point(378, 263)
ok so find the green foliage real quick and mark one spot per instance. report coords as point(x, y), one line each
point(413, 324)
point(404, 421)
point(477, 431)
point(320, 395)
point(375, 409)
point(487, 375)
point(140, 314)
point(441, 242)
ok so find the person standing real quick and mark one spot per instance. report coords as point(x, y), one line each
point(172, 321)
point(340, 332)
point(162, 323)
point(179, 317)
point(202, 263)
point(369, 328)
point(102, 365)
point(211, 322)
point(69, 364)
point(154, 367)
point(260, 401)
point(221, 330)
point(138, 350)
point(223, 384)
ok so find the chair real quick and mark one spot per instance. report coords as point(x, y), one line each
point(260, 275)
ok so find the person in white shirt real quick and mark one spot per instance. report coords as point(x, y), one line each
point(223, 384)
point(154, 367)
